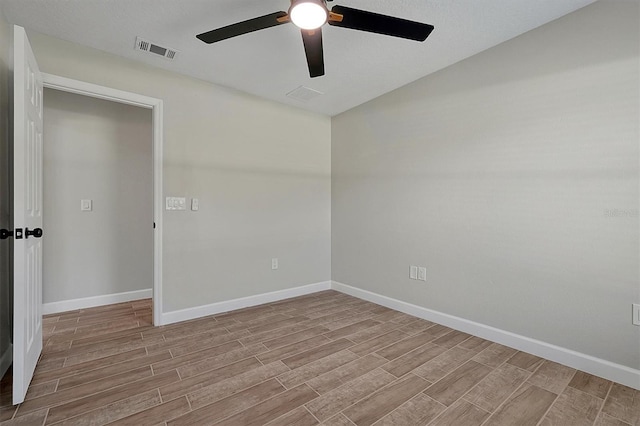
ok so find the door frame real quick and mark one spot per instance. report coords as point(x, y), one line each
point(64, 84)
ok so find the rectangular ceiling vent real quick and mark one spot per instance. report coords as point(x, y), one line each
point(147, 46)
point(304, 94)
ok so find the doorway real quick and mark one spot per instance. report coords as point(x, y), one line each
point(76, 87)
point(97, 202)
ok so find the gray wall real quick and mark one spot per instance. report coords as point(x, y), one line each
point(6, 288)
point(513, 177)
point(261, 170)
point(98, 150)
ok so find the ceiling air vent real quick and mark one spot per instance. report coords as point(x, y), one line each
point(147, 46)
point(304, 94)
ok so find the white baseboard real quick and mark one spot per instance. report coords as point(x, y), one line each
point(596, 366)
point(5, 360)
point(243, 302)
point(90, 302)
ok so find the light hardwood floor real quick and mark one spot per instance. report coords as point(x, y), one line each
point(325, 358)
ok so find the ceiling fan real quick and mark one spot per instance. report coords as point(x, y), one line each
point(311, 15)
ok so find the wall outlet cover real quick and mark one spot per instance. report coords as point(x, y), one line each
point(274, 263)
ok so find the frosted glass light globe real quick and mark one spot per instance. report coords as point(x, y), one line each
point(308, 15)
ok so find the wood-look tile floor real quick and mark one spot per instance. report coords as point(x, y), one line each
point(325, 358)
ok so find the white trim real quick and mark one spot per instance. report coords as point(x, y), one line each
point(101, 92)
point(90, 302)
point(5, 360)
point(243, 302)
point(596, 366)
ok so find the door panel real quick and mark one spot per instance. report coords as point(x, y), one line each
point(27, 214)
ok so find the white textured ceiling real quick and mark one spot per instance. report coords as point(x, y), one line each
point(270, 63)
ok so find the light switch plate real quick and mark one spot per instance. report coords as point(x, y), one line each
point(195, 204)
point(181, 203)
point(422, 273)
point(176, 203)
point(86, 205)
point(636, 314)
point(413, 272)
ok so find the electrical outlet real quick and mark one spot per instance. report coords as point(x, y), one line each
point(422, 273)
point(636, 314)
point(274, 263)
point(413, 272)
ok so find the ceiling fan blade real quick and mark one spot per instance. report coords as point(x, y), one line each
point(362, 20)
point(244, 27)
point(313, 48)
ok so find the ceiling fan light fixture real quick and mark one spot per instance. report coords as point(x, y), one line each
point(308, 14)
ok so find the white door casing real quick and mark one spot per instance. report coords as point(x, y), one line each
point(27, 213)
point(83, 88)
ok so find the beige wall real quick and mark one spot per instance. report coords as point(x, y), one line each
point(98, 150)
point(6, 289)
point(513, 177)
point(260, 170)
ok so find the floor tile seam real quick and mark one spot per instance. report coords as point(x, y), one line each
point(441, 414)
point(72, 399)
point(605, 401)
point(550, 406)
point(462, 398)
point(73, 337)
point(431, 383)
point(346, 335)
point(68, 353)
point(15, 410)
point(451, 372)
point(588, 393)
point(299, 331)
point(348, 382)
point(205, 359)
point(563, 389)
point(49, 406)
point(55, 379)
point(220, 367)
point(46, 415)
point(408, 400)
point(507, 398)
point(380, 389)
point(367, 395)
point(384, 347)
point(344, 365)
point(171, 348)
point(105, 406)
point(236, 392)
point(171, 341)
point(404, 353)
point(524, 381)
point(249, 407)
point(312, 349)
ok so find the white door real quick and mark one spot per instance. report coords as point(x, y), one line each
point(27, 214)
